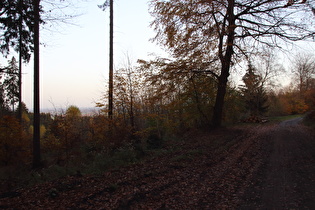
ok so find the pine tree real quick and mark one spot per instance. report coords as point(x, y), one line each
point(254, 93)
point(9, 87)
point(3, 105)
point(16, 24)
point(11, 83)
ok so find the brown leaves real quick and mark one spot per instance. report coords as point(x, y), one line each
point(206, 171)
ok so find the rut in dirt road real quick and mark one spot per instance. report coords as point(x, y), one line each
point(287, 181)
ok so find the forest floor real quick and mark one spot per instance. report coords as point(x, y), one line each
point(269, 166)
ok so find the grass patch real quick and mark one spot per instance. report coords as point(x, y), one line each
point(284, 118)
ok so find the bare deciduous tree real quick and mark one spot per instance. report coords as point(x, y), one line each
point(304, 71)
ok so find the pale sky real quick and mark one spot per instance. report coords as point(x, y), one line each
point(74, 62)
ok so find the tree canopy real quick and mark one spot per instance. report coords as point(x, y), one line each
point(73, 112)
point(16, 25)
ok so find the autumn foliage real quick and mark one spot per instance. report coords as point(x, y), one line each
point(15, 143)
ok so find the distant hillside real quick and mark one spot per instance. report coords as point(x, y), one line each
point(86, 111)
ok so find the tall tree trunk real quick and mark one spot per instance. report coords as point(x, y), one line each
point(219, 102)
point(132, 118)
point(20, 61)
point(111, 61)
point(20, 88)
point(36, 135)
point(225, 69)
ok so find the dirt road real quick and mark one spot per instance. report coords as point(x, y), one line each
point(254, 167)
point(287, 178)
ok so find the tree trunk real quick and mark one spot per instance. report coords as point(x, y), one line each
point(36, 135)
point(20, 88)
point(219, 102)
point(225, 69)
point(20, 62)
point(111, 62)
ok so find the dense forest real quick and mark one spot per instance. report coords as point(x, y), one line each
point(163, 98)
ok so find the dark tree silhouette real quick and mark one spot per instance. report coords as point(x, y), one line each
point(8, 87)
point(36, 136)
point(109, 3)
point(111, 60)
point(10, 83)
point(253, 92)
point(16, 22)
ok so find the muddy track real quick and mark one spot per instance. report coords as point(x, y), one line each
point(260, 167)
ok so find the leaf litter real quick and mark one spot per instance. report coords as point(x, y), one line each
point(223, 169)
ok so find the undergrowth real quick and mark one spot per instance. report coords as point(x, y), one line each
point(309, 119)
point(87, 160)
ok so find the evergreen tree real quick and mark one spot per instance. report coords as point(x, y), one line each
point(16, 24)
point(254, 93)
point(11, 83)
point(9, 87)
point(3, 105)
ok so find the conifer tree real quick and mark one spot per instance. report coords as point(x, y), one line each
point(11, 83)
point(9, 87)
point(254, 93)
point(16, 22)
